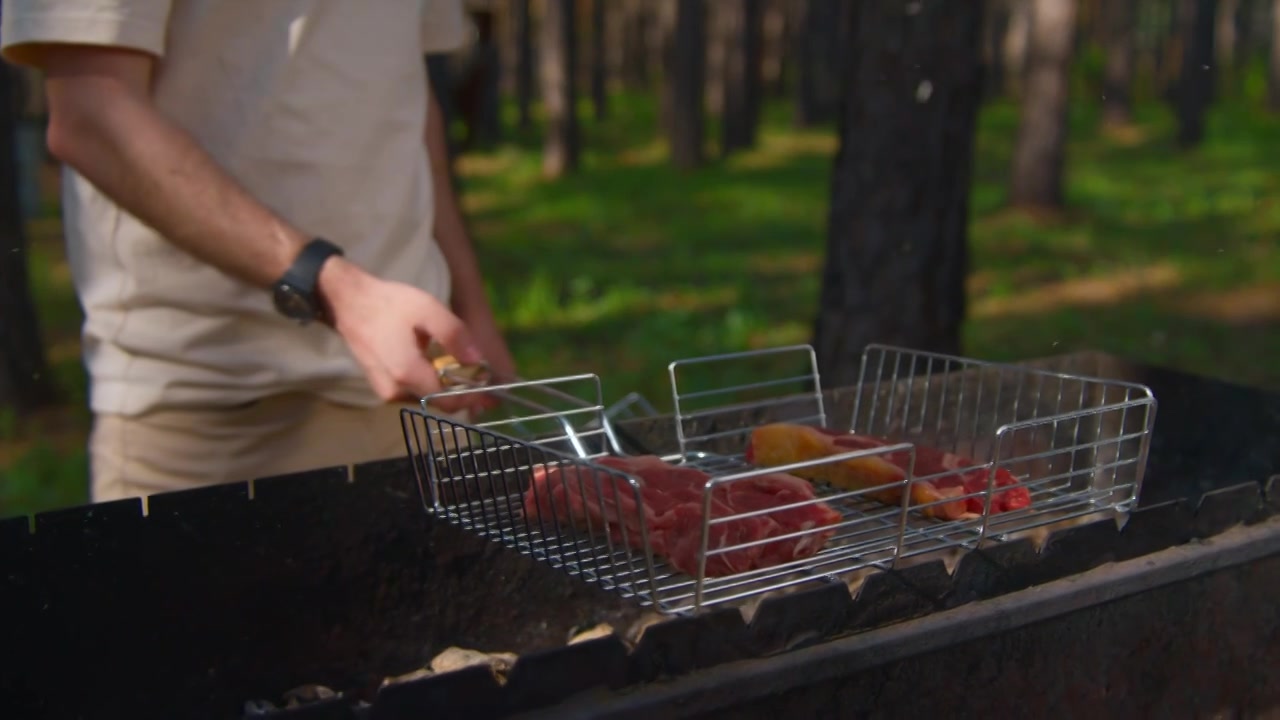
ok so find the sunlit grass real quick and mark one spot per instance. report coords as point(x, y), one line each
point(1165, 256)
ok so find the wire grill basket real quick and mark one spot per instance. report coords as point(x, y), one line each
point(694, 523)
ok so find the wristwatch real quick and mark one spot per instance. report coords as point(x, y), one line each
point(295, 293)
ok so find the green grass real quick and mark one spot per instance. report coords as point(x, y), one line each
point(1165, 256)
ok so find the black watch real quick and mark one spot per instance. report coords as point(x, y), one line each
point(295, 293)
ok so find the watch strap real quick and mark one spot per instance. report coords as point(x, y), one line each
point(302, 277)
point(305, 272)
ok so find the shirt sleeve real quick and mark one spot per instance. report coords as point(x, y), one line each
point(134, 24)
point(445, 26)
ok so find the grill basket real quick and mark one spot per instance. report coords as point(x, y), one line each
point(1078, 445)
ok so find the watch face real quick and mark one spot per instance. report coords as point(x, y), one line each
point(291, 303)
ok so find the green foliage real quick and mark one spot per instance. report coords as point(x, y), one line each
point(43, 478)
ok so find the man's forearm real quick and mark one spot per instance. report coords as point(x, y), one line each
point(450, 227)
point(104, 125)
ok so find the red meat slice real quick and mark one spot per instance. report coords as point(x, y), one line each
point(671, 511)
point(785, 443)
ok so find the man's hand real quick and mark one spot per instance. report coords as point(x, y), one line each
point(388, 327)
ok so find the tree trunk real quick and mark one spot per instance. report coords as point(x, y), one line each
point(615, 45)
point(994, 29)
point(637, 20)
point(477, 84)
point(1040, 148)
point(805, 89)
point(1273, 64)
point(557, 60)
point(1159, 15)
point(897, 237)
point(661, 29)
point(599, 61)
point(1226, 35)
point(25, 382)
point(1181, 26)
point(777, 48)
point(522, 30)
point(1017, 35)
point(662, 34)
point(1196, 83)
point(743, 74)
point(719, 22)
point(1119, 23)
point(818, 49)
point(1251, 30)
point(684, 80)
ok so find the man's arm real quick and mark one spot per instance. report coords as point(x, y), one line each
point(102, 123)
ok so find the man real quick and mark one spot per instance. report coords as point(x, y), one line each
point(234, 171)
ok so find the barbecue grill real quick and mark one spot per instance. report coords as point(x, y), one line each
point(1155, 600)
point(1077, 444)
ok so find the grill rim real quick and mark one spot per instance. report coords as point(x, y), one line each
point(920, 601)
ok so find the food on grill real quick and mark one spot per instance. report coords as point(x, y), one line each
point(784, 443)
point(671, 498)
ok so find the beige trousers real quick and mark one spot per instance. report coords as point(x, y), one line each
point(182, 449)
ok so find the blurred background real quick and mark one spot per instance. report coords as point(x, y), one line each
point(649, 180)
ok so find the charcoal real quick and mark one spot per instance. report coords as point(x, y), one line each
point(456, 658)
point(592, 633)
point(307, 694)
point(407, 677)
point(308, 702)
point(254, 709)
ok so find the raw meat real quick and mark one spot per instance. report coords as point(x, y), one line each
point(671, 498)
point(785, 443)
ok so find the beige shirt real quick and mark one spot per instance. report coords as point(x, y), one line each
point(318, 108)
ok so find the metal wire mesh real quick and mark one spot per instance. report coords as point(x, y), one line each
point(704, 527)
point(1077, 444)
point(492, 477)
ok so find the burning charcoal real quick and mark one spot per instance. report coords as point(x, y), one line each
point(307, 694)
point(407, 677)
point(599, 631)
point(456, 658)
